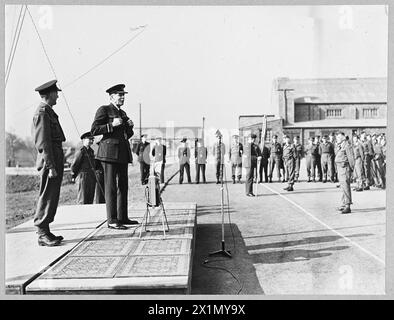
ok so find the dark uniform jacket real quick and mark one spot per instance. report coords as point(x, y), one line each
point(250, 155)
point(236, 151)
point(143, 150)
point(327, 147)
point(48, 134)
point(201, 154)
point(344, 155)
point(276, 150)
point(312, 150)
point(368, 147)
point(358, 151)
point(289, 152)
point(159, 152)
point(299, 150)
point(184, 155)
point(85, 162)
point(114, 146)
point(265, 152)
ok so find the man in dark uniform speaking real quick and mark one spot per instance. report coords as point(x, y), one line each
point(114, 153)
point(48, 138)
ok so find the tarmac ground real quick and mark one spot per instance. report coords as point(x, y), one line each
point(285, 242)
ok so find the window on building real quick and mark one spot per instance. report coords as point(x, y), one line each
point(334, 113)
point(370, 112)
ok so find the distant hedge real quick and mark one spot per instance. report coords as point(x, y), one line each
point(21, 183)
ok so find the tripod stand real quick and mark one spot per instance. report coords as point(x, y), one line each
point(223, 250)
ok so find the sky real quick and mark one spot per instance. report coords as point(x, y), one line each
point(189, 62)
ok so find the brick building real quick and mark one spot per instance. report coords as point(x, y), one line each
point(310, 107)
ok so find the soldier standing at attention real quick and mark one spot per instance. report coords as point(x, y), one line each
point(184, 161)
point(252, 152)
point(326, 150)
point(275, 157)
point(201, 154)
point(377, 163)
point(311, 151)
point(368, 156)
point(84, 170)
point(48, 138)
point(235, 155)
point(345, 164)
point(115, 154)
point(332, 140)
point(299, 153)
point(159, 152)
point(289, 158)
point(265, 155)
point(219, 159)
point(358, 163)
point(143, 153)
point(318, 158)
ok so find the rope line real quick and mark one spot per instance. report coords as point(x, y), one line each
point(15, 46)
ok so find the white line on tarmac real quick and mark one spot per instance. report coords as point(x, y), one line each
point(327, 226)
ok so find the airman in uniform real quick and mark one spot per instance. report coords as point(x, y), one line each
point(235, 155)
point(159, 152)
point(345, 164)
point(143, 153)
point(377, 164)
point(48, 137)
point(263, 168)
point(219, 159)
point(326, 152)
point(333, 141)
point(358, 163)
point(84, 170)
point(184, 161)
point(114, 152)
point(201, 155)
point(318, 159)
point(368, 156)
point(275, 157)
point(289, 159)
point(311, 151)
point(299, 153)
point(252, 153)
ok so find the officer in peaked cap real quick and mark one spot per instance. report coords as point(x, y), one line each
point(48, 137)
point(114, 152)
point(84, 170)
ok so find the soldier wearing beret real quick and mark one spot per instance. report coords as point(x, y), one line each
point(143, 153)
point(184, 161)
point(299, 153)
point(48, 138)
point(115, 154)
point(344, 159)
point(84, 170)
point(252, 153)
point(326, 152)
point(159, 152)
point(235, 155)
point(289, 160)
point(201, 159)
point(275, 157)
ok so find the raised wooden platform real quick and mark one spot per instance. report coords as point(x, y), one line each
point(102, 260)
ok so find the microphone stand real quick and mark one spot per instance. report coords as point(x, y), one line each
point(223, 251)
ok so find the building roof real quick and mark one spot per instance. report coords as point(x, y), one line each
point(336, 90)
point(339, 123)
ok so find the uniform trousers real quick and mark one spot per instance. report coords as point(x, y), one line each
point(275, 162)
point(182, 168)
point(250, 176)
point(200, 167)
point(290, 166)
point(86, 187)
point(263, 170)
point(116, 189)
point(48, 198)
point(344, 176)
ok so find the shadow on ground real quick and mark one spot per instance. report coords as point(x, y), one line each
point(206, 279)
